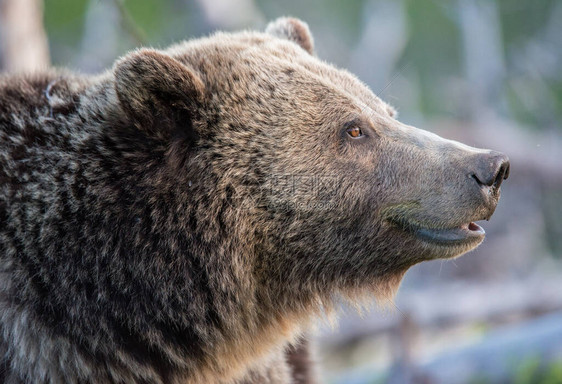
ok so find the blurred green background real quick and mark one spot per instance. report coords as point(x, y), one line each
point(486, 72)
point(508, 50)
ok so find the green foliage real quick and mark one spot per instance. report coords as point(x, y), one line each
point(433, 49)
point(553, 374)
point(522, 20)
point(528, 372)
point(552, 212)
point(531, 371)
point(150, 16)
point(64, 21)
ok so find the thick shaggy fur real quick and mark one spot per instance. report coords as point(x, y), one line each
point(160, 223)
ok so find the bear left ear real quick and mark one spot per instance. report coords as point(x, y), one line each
point(292, 29)
point(157, 92)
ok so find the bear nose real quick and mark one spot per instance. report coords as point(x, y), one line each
point(491, 170)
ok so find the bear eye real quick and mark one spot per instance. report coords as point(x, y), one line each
point(354, 132)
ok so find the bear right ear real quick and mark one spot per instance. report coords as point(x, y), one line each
point(157, 92)
point(294, 30)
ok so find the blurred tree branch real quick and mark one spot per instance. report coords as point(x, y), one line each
point(24, 41)
point(129, 24)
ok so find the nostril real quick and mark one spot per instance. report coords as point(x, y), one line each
point(492, 169)
point(475, 177)
point(506, 173)
point(503, 173)
point(484, 179)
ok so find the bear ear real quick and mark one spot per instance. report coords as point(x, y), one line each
point(157, 92)
point(294, 30)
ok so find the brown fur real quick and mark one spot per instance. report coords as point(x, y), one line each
point(183, 217)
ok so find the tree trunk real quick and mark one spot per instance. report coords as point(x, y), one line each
point(24, 41)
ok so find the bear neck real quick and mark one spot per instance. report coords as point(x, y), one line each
point(149, 269)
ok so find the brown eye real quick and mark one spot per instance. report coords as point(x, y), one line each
point(354, 132)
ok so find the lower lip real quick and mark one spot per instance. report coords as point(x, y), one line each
point(465, 233)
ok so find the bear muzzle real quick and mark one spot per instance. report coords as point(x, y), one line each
point(446, 218)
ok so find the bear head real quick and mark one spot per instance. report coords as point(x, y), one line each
point(307, 171)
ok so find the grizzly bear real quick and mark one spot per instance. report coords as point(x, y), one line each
point(183, 217)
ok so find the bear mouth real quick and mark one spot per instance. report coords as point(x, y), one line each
point(465, 233)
